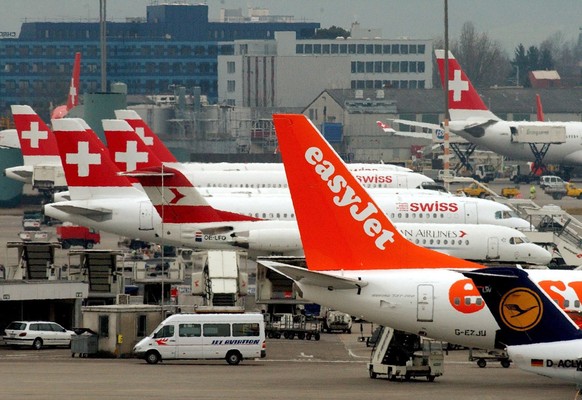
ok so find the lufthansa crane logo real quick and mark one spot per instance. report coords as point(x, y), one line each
point(521, 309)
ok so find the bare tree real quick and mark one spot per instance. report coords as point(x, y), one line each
point(483, 60)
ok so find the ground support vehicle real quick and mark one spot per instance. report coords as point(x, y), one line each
point(75, 235)
point(290, 326)
point(31, 220)
point(475, 190)
point(482, 357)
point(400, 355)
point(484, 173)
point(567, 189)
point(337, 321)
point(510, 192)
point(232, 337)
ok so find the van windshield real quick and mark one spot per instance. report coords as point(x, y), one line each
point(164, 332)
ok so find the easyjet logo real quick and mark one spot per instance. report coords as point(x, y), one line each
point(346, 197)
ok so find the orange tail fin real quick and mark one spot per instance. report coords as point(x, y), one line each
point(341, 226)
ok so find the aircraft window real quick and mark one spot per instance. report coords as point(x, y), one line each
point(445, 241)
point(434, 215)
point(285, 215)
point(292, 215)
point(419, 215)
point(467, 242)
point(264, 215)
point(479, 301)
point(467, 301)
point(566, 303)
point(577, 303)
point(460, 241)
point(399, 215)
point(431, 241)
point(279, 215)
point(438, 241)
point(391, 215)
point(423, 241)
point(516, 240)
point(442, 215)
point(417, 241)
point(457, 301)
point(271, 215)
point(407, 215)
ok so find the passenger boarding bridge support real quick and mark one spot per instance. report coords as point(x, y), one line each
point(463, 156)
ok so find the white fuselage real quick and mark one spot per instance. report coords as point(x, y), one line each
point(562, 360)
point(497, 137)
point(437, 303)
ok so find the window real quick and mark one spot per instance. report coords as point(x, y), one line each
point(166, 331)
point(308, 49)
point(189, 330)
point(230, 86)
point(403, 49)
point(361, 49)
point(334, 49)
point(317, 49)
point(352, 49)
point(343, 48)
point(412, 49)
point(325, 49)
point(421, 48)
point(248, 329)
point(378, 48)
point(369, 49)
point(214, 330)
point(104, 325)
point(369, 66)
point(404, 66)
point(386, 49)
point(378, 66)
point(141, 326)
point(386, 66)
point(299, 49)
point(230, 67)
point(395, 66)
point(412, 66)
point(395, 49)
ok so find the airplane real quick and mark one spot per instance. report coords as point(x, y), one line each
point(108, 202)
point(124, 151)
point(178, 203)
point(403, 206)
point(538, 335)
point(471, 119)
point(360, 264)
point(73, 96)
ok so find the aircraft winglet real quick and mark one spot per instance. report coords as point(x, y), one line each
point(341, 226)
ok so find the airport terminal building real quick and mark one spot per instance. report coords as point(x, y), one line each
point(175, 44)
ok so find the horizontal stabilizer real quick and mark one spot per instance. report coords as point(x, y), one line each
point(306, 277)
point(96, 214)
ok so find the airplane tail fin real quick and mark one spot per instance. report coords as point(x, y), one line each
point(146, 134)
point(177, 200)
point(525, 314)
point(341, 226)
point(89, 171)
point(73, 98)
point(126, 149)
point(74, 88)
point(464, 101)
point(37, 141)
point(540, 110)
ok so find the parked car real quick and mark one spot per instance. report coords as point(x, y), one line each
point(37, 334)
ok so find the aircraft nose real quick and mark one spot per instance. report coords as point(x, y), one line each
point(539, 255)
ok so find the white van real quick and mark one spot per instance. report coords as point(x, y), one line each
point(547, 181)
point(232, 337)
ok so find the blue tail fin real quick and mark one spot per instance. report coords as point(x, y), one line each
point(525, 314)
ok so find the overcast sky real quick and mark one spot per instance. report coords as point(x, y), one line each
point(509, 21)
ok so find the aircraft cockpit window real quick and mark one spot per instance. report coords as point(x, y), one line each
point(516, 240)
point(576, 303)
point(505, 214)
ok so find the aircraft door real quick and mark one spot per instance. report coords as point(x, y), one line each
point(493, 248)
point(425, 303)
point(471, 216)
point(402, 181)
point(146, 217)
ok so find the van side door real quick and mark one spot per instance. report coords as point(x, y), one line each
point(189, 341)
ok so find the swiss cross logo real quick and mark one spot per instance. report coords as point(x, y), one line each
point(458, 85)
point(131, 156)
point(73, 91)
point(83, 159)
point(148, 140)
point(35, 135)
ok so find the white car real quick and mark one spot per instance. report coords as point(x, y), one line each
point(37, 334)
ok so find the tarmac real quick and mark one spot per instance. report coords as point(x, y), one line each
point(333, 368)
